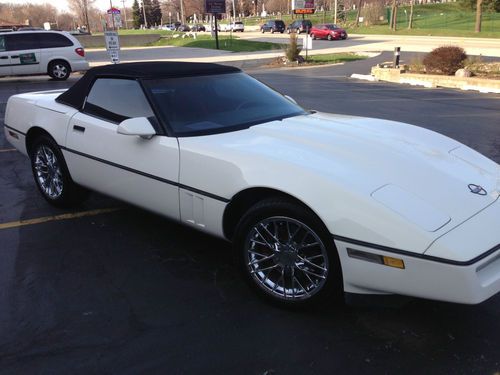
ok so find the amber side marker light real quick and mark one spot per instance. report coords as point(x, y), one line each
point(375, 258)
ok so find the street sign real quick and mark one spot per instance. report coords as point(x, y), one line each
point(215, 6)
point(303, 11)
point(303, 6)
point(112, 45)
point(114, 17)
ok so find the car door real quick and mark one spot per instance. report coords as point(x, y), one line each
point(24, 48)
point(140, 171)
point(5, 68)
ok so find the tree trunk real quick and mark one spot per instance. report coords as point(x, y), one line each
point(479, 15)
point(358, 12)
point(410, 22)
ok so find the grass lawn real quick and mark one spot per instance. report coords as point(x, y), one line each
point(225, 43)
point(440, 19)
point(334, 58)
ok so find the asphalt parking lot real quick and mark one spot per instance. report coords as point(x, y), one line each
point(120, 290)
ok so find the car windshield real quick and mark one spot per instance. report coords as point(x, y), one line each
point(219, 103)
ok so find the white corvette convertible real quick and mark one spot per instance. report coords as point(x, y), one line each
point(316, 204)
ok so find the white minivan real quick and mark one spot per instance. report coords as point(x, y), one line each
point(56, 53)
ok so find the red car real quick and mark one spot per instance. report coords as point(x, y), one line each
point(328, 31)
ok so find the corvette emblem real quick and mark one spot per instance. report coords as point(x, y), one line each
point(476, 189)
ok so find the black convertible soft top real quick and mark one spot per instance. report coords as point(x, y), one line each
point(75, 95)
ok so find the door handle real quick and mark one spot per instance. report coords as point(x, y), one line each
point(4, 57)
point(14, 56)
point(79, 128)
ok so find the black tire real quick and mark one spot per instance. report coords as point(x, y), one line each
point(329, 37)
point(266, 259)
point(313, 36)
point(52, 176)
point(263, 31)
point(272, 31)
point(59, 70)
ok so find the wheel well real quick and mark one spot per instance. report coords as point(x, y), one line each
point(244, 200)
point(32, 135)
point(58, 60)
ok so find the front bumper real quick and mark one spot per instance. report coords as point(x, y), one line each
point(462, 265)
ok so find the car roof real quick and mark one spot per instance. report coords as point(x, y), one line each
point(34, 31)
point(75, 95)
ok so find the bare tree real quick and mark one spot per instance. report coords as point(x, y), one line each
point(410, 21)
point(81, 9)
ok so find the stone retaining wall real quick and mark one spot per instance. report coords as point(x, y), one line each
point(431, 80)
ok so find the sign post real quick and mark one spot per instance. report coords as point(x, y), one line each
point(215, 7)
point(112, 45)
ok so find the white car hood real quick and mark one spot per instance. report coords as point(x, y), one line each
point(378, 155)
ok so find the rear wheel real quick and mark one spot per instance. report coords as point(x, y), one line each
point(287, 254)
point(59, 70)
point(313, 36)
point(52, 176)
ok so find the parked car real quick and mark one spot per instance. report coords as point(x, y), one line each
point(184, 28)
point(328, 31)
point(234, 26)
point(169, 26)
point(198, 28)
point(299, 26)
point(274, 26)
point(315, 203)
point(56, 53)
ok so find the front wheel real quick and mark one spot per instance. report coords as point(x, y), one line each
point(52, 176)
point(288, 255)
point(313, 36)
point(59, 70)
point(329, 37)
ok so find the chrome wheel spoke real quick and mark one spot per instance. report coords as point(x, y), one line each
point(311, 263)
point(257, 261)
point(311, 273)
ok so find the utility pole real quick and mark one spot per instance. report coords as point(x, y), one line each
point(335, 14)
point(479, 15)
point(125, 13)
point(112, 15)
point(144, 14)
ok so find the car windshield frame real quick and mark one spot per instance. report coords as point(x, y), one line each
point(167, 116)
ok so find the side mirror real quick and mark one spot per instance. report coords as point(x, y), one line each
point(139, 126)
point(291, 99)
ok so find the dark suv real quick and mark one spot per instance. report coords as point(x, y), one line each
point(299, 26)
point(274, 26)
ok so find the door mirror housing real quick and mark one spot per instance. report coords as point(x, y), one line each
point(139, 126)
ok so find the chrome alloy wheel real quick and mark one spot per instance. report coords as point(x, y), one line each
point(286, 258)
point(48, 172)
point(59, 71)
